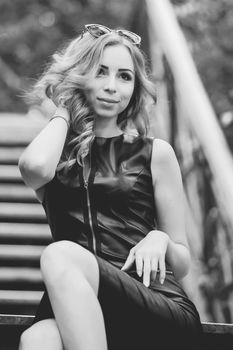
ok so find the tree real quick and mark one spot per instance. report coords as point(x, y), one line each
point(31, 31)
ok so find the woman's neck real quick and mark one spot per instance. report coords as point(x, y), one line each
point(104, 127)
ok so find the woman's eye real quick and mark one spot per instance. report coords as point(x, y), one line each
point(126, 76)
point(101, 71)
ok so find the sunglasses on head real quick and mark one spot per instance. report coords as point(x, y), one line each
point(97, 30)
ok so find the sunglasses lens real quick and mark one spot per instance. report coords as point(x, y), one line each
point(130, 36)
point(97, 30)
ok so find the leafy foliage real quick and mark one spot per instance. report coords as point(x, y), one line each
point(208, 26)
point(31, 31)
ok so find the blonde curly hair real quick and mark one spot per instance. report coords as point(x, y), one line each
point(64, 81)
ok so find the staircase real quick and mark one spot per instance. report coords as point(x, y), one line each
point(23, 229)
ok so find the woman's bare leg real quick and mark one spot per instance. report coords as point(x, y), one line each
point(71, 276)
point(43, 335)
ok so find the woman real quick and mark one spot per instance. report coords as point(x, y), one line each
point(114, 203)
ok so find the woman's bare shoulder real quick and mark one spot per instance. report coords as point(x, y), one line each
point(163, 152)
point(164, 163)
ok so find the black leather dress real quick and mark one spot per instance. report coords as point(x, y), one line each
point(107, 207)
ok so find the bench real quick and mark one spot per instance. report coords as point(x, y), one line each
point(216, 336)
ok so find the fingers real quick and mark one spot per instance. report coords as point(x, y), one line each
point(139, 264)
point(150, 268)
point(146, 267)
point(162, 269)
point(146, 271)
point(154, 268)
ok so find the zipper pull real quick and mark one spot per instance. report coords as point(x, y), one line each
point(85, 175)
point(87, 166)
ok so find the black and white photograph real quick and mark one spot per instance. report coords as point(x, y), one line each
point(116, 174)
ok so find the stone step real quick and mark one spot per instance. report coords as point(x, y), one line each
point(10, 155)
point(19, 301)
point(17, 193)
point(19, 130)
point(21, 278)
point(20, 255)
point(9, 174)
point(25, 233)
point(22, 212)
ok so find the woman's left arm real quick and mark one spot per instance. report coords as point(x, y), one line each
point(169, 199)
point(168, 243)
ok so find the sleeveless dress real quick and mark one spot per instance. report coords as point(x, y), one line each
point(108, 206)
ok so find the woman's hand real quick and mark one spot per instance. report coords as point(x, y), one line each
point(49, 109)
point(149, 256)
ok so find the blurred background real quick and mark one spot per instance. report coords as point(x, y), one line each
point(193, 71)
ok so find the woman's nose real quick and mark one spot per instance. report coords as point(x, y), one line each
point(110, 84)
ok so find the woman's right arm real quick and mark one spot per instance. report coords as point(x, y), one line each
point(39, 160)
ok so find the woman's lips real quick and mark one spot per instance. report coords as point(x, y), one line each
point(107, 100)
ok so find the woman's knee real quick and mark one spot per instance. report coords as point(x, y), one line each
point(60, 259)
point(43, 334)
point(60, 256)
point(52, 257)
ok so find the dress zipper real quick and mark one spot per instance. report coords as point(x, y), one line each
point(85, 180)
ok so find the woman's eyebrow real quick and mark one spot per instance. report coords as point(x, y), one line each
point(120, 69)
point(126, 69)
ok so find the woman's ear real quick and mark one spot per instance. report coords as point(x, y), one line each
point(49, 91)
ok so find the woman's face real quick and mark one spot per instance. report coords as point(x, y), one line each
point(110, 90)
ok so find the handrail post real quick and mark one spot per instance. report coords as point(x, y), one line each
point(195, 102)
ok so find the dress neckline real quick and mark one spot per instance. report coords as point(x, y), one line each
point(109, 137)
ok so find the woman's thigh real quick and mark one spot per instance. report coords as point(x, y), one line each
point(142, 316)
point(41, 335)
point(61, 257)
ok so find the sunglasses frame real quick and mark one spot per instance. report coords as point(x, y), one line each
point(122, 32)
